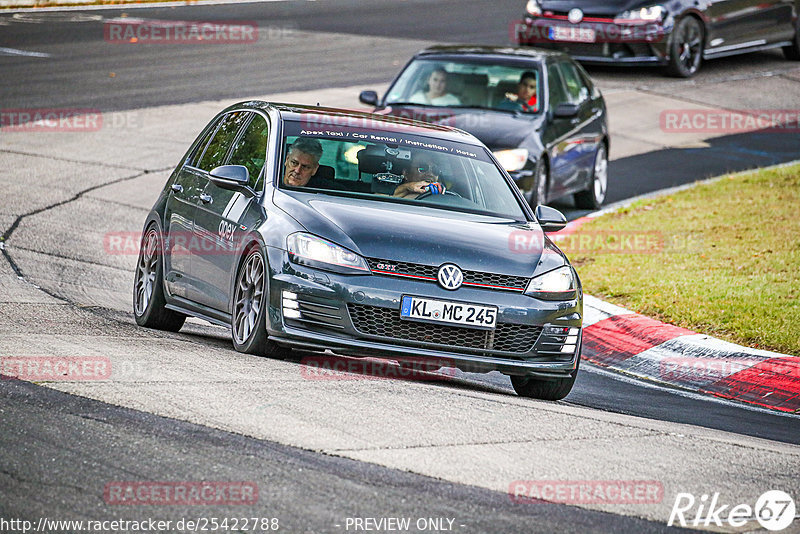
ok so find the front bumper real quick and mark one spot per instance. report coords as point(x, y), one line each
point(616, 44)
point(358, 315)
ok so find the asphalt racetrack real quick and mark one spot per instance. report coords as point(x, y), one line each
point(190, 408)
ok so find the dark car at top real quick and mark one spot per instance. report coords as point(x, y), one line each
point(678, 34)
point(464, 277)
point(556, 147)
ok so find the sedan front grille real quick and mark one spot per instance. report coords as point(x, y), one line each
point(429, 272)
point(386, 323)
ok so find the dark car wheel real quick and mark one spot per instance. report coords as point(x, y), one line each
point(686, 49)
point(592, 197)
point(793, 50)
point(551, 389)
point(148, 287)
point(249, 317)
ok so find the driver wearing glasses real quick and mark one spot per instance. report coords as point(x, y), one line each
point(421, 177)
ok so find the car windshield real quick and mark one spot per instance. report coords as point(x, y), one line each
point(475, 84)
point(395, 166)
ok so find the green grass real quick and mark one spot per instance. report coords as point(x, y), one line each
point(721, 258)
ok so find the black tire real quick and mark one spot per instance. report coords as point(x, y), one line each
point(792, 51)
point(686, 48)
point(551, 389)
point(249, 312)
point(149, 304)
point(593, 196)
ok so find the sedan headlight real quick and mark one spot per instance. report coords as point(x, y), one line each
point(307, 249)
point(513, 159)
point(558, 284)
point(533, 7)
point(645, 14)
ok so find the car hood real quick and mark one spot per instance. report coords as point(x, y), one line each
point(592, 7)
point(495, 129)
point(417, 234)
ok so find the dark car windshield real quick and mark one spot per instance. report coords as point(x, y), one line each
point(476, 84)
point(394, 166)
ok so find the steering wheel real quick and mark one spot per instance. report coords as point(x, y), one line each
point(427, 194)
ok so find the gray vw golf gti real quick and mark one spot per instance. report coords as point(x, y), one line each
point(313, 228)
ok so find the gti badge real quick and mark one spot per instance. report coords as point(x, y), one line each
point(575, 15)
point(450, 276)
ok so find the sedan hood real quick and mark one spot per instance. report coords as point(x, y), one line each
point(417, 234)
point(592, 7)
point(495, 129)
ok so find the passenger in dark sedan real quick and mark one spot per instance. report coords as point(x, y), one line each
point(302, 162)
point(420, 177)
point(525, 99)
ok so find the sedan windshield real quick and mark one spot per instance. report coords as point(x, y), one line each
point(442, 83)
point(391, 166)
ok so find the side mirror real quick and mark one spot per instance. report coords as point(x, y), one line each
point(233, 177)
point(550, 219)
point(368, 97)
point(566, 111)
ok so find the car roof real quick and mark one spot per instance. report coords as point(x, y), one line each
point(318, 116)
point(500, 52)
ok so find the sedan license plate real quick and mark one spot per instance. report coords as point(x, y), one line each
point(448, 312)
point(574, 34)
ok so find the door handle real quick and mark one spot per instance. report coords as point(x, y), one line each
point(206, 198)
point(178, 188)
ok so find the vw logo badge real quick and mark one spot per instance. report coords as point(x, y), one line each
point(450, 276)
point(575, 15)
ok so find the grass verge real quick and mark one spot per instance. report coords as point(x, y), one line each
point(720, 258)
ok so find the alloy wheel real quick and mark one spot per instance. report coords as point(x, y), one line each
point(249, 297)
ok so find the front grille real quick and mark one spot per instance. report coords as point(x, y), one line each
point(386, 323)
point(429, 272)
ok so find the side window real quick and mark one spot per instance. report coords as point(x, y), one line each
point(556, 87)
point(250, 149)
point(217, 149)
point(201, 146)
point(577, 92)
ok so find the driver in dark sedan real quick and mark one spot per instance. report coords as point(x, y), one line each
point(421, 177)
point(302, 162)
point(525, 99)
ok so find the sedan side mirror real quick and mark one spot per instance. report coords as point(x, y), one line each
point(550, 219)
point(368, 97)
point(566, 111)
point(233, 177)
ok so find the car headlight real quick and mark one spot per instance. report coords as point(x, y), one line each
point(645, 14)
point(513, 159)
point(307, 249)
point(558, 284)
point(533, 7)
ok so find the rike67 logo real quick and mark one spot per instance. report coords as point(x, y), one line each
point(774, 510)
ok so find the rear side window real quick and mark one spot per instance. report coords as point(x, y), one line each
point(250, 149)
point(217, 148)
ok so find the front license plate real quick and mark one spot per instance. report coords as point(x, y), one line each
point(574, 34)
point(448, 312)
